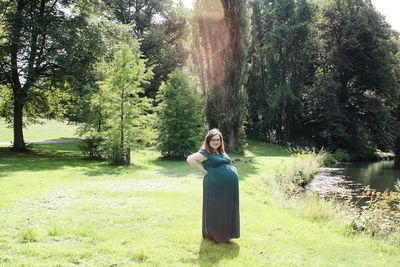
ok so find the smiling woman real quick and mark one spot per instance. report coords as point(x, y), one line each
point(220, 189)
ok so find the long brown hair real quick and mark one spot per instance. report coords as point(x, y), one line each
point(206, 143)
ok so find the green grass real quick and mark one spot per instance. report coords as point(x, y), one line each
point(45, 130)
point(58, 209)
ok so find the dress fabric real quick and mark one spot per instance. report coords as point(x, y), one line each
point(221, 220)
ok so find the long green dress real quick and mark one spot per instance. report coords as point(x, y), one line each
point(220, 198)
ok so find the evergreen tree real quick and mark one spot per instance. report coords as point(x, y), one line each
point(126, 119)
point(180, 121)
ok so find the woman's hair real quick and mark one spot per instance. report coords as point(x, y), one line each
point(209, 136)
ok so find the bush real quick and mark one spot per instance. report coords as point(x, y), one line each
point(342, 155)
point(380, 216)
point(90, 147)
point(327, 159)
point(180, 121)
point(291, 177)
point(116, 155)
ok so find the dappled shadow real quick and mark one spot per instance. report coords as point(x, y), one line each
point(211, 253)
point(59, 155)
point(41, 159)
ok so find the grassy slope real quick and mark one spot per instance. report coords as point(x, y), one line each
point(85, 212)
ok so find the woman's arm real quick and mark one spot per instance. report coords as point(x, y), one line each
point(195, 160)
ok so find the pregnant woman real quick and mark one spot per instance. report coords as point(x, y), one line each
point(220, 189)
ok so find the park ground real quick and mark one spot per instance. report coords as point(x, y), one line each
point(58, 209)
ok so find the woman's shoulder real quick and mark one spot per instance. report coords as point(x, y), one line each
point(204, 152)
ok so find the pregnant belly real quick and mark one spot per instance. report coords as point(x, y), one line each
point(224, 174)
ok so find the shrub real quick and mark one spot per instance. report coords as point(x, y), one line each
point(180, 122)
point(380, 216)
point(291, 177)
point(342, 155)
point(327, 159)
point(90, 147)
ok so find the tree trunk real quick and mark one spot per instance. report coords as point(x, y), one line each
point(19, 143)
point(231, 142)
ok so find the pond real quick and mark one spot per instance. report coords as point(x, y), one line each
point(349, 180)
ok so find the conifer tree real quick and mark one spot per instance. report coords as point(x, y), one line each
point(126, 118)
point(180, 121)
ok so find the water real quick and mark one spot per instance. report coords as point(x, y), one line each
point(378, 175)
point(349, 180)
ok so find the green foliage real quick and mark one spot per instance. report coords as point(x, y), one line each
point(126, 119)
point(42, 47)
point(281, 67)
point(180, 120)
point(220, 47)
point(397, 148)
point(357, 72)
point(161, 26)
point(342, 155)
point(327, 159)
point(380, 216)
point(291, 176)
point(6, 103)
point(90, 147)
point(29, 235)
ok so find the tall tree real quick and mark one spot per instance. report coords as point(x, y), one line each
point(221, 40)
point(161, 27)
point(45, 43)
point(281, 67)
point(126, 117)
point(357, 53)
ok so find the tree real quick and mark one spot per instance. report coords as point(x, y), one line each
point(44, 45)
point(220, 50)
point(126, 115)
point(180, 120)
point(161, 26)
point(281, 67)
point(356, 50)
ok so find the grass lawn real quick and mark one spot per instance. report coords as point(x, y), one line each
point(45, 130)
point(58, 209)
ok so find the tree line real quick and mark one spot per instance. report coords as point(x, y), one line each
point(322, 73)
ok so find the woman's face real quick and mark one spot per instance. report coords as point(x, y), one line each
point(215, 142)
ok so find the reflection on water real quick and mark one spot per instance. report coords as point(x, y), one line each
point(348, 180)
point(379, 175)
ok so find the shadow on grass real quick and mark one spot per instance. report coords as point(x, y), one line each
point(59, 155)
point(211, 253)
point(45, 157)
